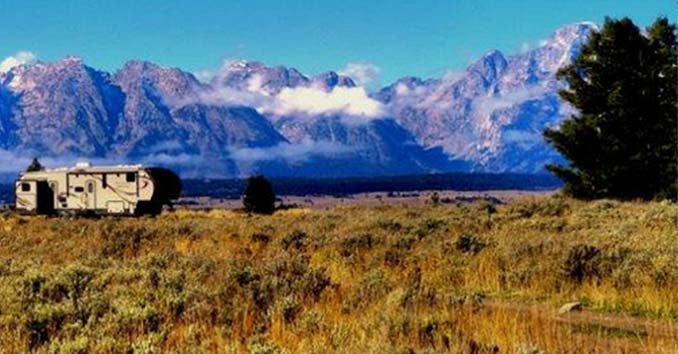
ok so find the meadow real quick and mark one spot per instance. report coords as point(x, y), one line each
point(457, 278)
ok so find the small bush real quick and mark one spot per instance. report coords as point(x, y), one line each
point(120, 241)
point(353, 244)
point(312, 321)
point(389, 225)
point(394, 257)
point(427, 332)
point(552, 207)
point(583, 262)
point(314, 283)
point(435, 198)
point(371, 288)
point(470, 244)
point(260, 237)
point(244, 274)
point(297, 240)
point(259, 197)
point(290, 308)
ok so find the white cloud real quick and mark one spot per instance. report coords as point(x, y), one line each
point(353, 101)
point(485, 106)
point(165, 159)
point(15, 161)
point(362, 73)
point(290, 152)
point(255, 84)
point(226, 96)
point(302, 101)
point(20, 58)
point(307, 101)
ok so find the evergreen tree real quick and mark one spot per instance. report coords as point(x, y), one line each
point(35, 166)
point(623, 141)
point(259, 196)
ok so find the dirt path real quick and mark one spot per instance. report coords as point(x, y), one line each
point(619, 333)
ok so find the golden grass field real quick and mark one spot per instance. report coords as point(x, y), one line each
point(459, 278)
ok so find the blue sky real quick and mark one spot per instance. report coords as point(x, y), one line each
point(422, 38)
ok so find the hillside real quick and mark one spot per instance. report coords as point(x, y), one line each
point(469, 278)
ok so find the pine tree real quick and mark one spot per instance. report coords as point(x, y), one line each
point(35, 166)
point(623, 141)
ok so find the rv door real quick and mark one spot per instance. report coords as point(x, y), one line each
point(45, 198)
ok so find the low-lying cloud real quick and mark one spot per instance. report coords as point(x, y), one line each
point(485, 106)
point(14, 161)
point(304, 101)
point(295, 153)
point(353, 101)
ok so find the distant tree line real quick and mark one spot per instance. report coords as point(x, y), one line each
point(623, 141)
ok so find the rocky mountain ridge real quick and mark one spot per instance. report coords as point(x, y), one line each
point(251, 118)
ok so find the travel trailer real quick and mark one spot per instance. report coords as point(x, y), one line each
point(96, 190)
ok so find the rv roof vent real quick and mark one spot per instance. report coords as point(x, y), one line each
point(83, 164)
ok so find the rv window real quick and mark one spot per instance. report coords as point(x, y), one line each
point(25, 187)
point(131, 177)
point(90, 187)
point(79, 189)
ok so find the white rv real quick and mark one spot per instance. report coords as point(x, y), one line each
point(96, 190)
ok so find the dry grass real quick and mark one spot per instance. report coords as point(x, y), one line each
point(467, 278)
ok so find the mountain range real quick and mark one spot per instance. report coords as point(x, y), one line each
point(253, 118)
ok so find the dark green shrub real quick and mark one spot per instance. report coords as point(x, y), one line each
point(353, 244)
point(583, 262)
point(259, 197)
point(405, 243)
point(31, 289)
point(290, 309)
point(435, 198)
point(78, 279)
point(372, 288)
point(124, 240)
point(389, 225)
point(244, 274)
point(394, 257)
point(427, 227)
point(261, 237)
point(314, 283)
point(552, 207)
point(470, 244)
point(427, 332)
point(41, 323)
point(37, 332)
point(297, 240)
